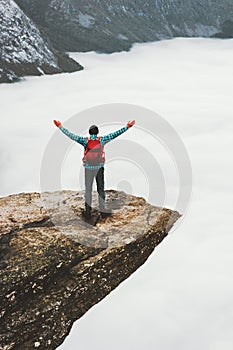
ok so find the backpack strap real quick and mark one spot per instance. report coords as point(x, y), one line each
point(88, 139)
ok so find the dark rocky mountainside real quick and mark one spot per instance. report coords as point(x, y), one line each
point(109, 26)
point(226, 30)
point(35, 35)
point(24, 50)
point(54, 266)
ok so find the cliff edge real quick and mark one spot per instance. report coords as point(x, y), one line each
point(54, 266)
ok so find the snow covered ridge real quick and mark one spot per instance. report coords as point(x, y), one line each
point(114, 25)
point(23, 50)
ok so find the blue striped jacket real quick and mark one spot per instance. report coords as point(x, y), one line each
point(103, 140)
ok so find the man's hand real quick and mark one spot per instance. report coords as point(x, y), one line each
point(57, 123)
point(130, 123)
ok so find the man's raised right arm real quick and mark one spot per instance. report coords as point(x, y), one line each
point(77, 138)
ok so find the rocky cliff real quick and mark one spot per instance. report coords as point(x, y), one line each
point(23, 48)
point(55, 266)
point(114, 25)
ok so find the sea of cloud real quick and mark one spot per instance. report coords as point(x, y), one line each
point(182, 297)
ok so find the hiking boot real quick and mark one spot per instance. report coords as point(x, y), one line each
point(86, 214)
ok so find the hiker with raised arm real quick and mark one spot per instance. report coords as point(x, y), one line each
point(93, 160)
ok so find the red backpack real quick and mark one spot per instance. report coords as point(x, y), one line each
point(94, 152)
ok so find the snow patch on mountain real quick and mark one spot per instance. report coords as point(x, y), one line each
point(122, 37)
point(85, 20)
point(202, 30)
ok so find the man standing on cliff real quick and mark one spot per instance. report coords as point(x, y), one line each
point(93, 160)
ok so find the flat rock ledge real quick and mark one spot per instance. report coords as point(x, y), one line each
point(54, 266)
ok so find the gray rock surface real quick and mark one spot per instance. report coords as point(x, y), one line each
point(23, 48)
point(114, 25)
point(226, 30)
point(55, 266)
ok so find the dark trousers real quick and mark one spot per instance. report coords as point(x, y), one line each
point(98, 174)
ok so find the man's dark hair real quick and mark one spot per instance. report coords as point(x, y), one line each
point(93, 130)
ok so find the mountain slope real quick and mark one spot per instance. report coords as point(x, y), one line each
point(110, 26)
point(23, 50)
